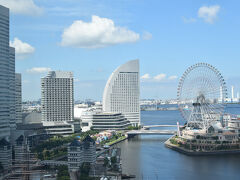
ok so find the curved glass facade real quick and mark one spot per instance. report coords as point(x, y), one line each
point(121, 93)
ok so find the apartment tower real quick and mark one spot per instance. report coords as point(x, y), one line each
point(57, 102)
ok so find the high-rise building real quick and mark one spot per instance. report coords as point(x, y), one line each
point(221, 95)
point(7, 90)
point(232, 93)
point(57, 96)
point(18, 97)
point(57, 102)
point(4, 74)
point(12, 91)
point(121, 93)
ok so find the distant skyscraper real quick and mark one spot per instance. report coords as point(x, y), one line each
point(12, 90)
point(18, 97)
point(232, 93)
point(57, 96)
point(121, 93)
point(221, 94)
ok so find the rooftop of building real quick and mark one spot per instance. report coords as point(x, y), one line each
point(107, 114)
point(4, 142)
point(20, 138)
point(4, 10)
point(75, 142)
point(88, 139)
point(59, 74)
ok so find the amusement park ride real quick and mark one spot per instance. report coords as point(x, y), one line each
point(201, 99)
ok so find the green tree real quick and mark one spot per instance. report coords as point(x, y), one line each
point(113, 159)
point(63, 173)
point(105, 162)
point(85, 169)
point(1, 167)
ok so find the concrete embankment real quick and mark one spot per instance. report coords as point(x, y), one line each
point(199, 153)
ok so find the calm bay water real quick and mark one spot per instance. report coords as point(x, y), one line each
point(146, 156)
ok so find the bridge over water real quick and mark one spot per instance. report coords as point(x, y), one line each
point(147, 131)
point(153, 126)
point(151, 132)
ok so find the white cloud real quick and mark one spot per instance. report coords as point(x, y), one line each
point(100, 32)
point(22, 49)
point(189, 20)
point(26, 7)
point(39, 70)
point(145, 76)
point(146, 36)
point(160, 77)
point(209, 13)
point(172, 77)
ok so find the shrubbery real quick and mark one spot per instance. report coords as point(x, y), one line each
point(63, 173)
point(53, 147)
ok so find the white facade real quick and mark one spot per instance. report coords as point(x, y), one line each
point(109, 121)
point(233, 93)
point(57, 97)
point(57, 103)
point(84, 114)
point(18, 97)
point(121, 93)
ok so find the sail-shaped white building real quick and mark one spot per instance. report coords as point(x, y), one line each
point(121, 93)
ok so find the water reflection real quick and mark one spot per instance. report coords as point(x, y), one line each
point(148, 158)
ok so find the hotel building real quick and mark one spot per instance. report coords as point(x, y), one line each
point(121, 93)
point(57, 102)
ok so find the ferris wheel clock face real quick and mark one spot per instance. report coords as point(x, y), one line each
point(201, 95)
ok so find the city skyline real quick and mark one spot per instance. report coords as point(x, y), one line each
point(140, 30)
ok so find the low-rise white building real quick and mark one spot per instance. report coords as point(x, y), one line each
point(110, 121)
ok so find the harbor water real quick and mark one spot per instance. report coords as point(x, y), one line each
point(146, 156)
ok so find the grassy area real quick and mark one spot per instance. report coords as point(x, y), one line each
point(174, 141)
point(116, 140)
point(133, 127)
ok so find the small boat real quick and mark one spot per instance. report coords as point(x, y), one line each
point(125, 176)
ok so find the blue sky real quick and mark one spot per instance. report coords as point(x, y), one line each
point(93, 37)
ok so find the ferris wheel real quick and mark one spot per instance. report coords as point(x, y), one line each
point(201, 95)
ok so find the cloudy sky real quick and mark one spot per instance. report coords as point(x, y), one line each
point(91, 38)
